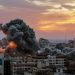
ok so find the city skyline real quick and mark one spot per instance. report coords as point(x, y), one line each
point(50, 19)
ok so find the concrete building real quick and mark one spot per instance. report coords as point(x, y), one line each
point(58, 62)
point(41, 61)
point(29, 64)
point(42, 65)
point(21, 65)
point(22, 68)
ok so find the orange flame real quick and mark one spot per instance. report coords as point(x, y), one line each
point(12, 45)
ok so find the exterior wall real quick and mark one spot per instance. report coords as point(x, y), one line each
point(27, 63)
point(41, 62)
point(56, 61)
point(21, 67)
point(1, 63)
point(20, 64)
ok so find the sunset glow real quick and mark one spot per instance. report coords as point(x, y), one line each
point(44, 16)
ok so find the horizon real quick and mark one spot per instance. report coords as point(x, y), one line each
point(50, 19)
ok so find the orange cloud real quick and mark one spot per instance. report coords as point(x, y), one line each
point(61, 22)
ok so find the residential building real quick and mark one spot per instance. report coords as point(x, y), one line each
point(58, 62)
point(21, 65)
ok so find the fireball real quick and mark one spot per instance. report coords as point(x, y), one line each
point(12, 45)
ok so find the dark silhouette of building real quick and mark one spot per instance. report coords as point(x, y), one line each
point(7, 69)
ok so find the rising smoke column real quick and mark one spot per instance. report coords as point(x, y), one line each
point(20, 33)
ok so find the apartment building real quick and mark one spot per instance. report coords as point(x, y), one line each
point(58, 62)
point(21, 65)
point(41, 60)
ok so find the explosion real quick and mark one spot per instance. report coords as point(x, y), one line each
point(12, 45)
point(20, 36)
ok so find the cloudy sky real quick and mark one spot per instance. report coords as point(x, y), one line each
point(51, 19)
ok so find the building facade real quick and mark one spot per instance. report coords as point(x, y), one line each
point(1, 63)
point(58, 62)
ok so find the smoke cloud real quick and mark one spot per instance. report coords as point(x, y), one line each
point(22, 35)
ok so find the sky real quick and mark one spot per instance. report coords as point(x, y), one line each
point(50, 19)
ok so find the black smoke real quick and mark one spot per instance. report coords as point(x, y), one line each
point(22, 35)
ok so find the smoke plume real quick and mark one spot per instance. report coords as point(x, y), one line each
point(24, 36)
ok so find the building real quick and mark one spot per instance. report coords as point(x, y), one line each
point(42, 65)
point(21, 68)
point(32, 65)
point(7, 67)
point(41, 61)
point(1, 63)
point(44, 43)
point(58, 62)
point(21, 65)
